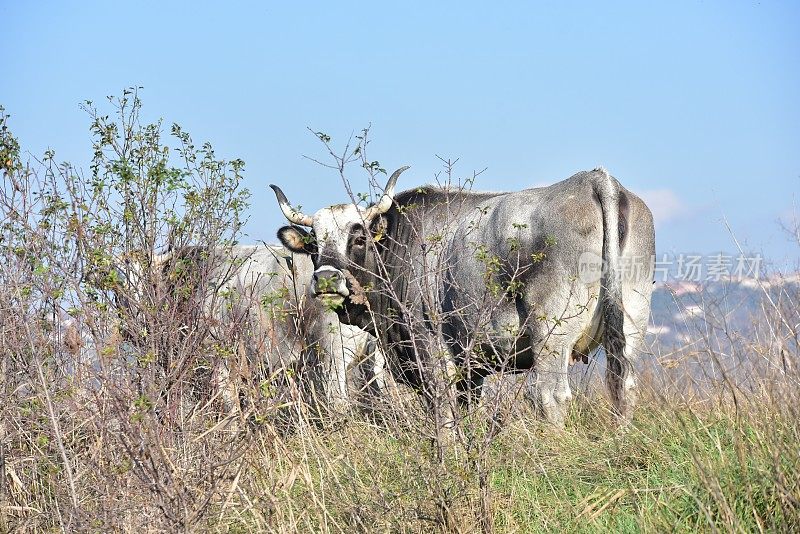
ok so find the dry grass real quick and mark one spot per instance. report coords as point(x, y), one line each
point(683, 466)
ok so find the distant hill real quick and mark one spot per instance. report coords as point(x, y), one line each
point(683, 311)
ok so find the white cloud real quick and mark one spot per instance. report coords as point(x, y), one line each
point(664, 203)
point(660, 330)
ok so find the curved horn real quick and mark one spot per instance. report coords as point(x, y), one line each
point(385, 202)
point(292, 215)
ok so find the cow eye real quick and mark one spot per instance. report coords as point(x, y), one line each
point(359, 237)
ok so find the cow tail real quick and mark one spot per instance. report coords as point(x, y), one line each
point(618, 368)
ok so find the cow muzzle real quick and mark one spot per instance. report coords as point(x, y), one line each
point(329, 284)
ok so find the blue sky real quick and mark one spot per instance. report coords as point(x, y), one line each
point(694, 105)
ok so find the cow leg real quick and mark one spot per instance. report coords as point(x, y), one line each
point(222, 384)
point(372, 387)
point(336, 387)
point(469, 388)
point(441, 393)
point(550, 390)
point(370, 369)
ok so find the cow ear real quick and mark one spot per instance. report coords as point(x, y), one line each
point(296, 239)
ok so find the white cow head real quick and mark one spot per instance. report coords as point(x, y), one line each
point(341, 242)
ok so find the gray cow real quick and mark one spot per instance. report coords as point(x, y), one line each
point(523, 280)
point(258, 299)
